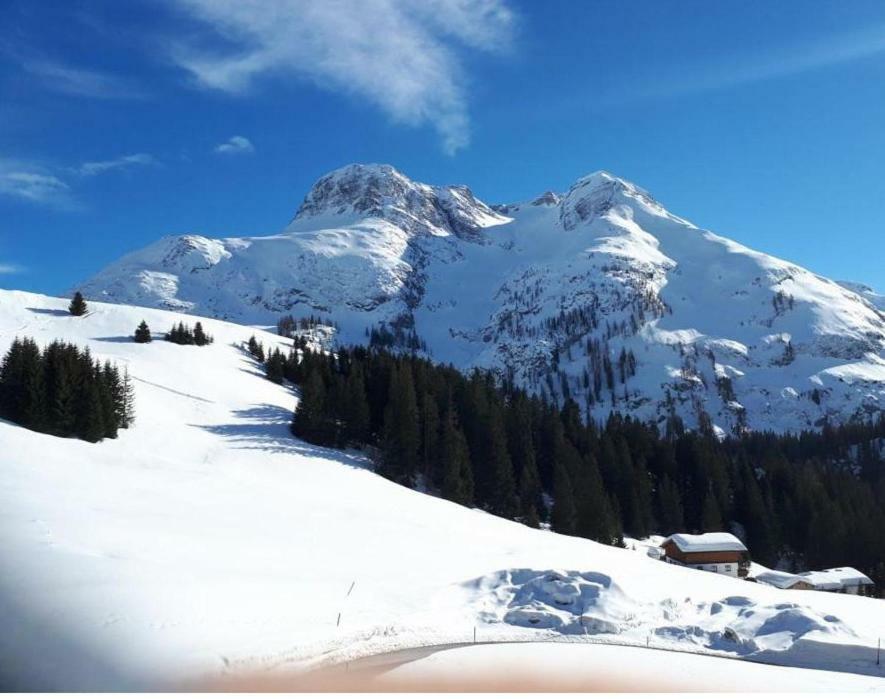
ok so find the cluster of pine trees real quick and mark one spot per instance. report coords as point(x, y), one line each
point(808, 501)
point(182, 334)
point(397, 336)
point(61, 390)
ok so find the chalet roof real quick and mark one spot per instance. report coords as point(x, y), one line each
point(835, 578)
point(823, 580)
point(712, 541)
point(778, 578)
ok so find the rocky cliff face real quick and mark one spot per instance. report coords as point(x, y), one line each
point(597, 294)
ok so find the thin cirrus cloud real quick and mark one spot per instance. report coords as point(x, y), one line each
point(98, 167)
point(35, 183)
point(403, 56)
point(780, 62)
point(235, 145)
point(32, 183)
point(81, 82)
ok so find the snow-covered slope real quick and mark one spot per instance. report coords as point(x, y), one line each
point(598, 293)
point(207, 540)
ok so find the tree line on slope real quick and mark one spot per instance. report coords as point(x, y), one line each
point(63, 391)
point(804, 501)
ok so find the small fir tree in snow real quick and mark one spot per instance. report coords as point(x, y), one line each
point(142, 333)
point(78, 306)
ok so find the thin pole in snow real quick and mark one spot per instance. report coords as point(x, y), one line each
point(474, 634)
point(879, 651)
point(338, 623)
point(351, 588)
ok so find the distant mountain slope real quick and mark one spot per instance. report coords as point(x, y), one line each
point(598, 293)
point(206, 541)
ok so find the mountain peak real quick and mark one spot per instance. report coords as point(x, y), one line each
point(359, 191)
point(595, 194)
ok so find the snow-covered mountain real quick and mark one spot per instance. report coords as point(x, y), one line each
point(207, 541)
point(598, 293)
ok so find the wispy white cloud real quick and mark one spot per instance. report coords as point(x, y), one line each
point(404, 56)
point(98, 167)
point(81, 82)
point(6, 268)
point(235, 145)
point(781, 62)
point(32, 183)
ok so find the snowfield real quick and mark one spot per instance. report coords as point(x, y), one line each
point(207, 542)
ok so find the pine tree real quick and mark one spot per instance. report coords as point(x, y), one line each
point(126, 408)
point(309, 420)
point(711, 517)
point(78, 305)
point(275, 366)
point(522, 451)
point(356, 409)
point(256, 349)
point(669, 506)
point(430, 431)
point(502, 499)
point(201, 338)
point(594, 518)
point(454, 458)
point(34, 389)
point(401, 429)
point(90, 421)
point(564, 516)
point(142, 333)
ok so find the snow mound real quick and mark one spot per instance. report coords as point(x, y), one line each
point(590, 603)
point(570, 602)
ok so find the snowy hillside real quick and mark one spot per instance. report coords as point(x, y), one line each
point(598, 293)
point(206, 540)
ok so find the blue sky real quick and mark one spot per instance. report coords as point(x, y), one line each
point(121, 122)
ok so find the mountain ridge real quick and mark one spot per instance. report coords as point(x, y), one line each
point(598, 294)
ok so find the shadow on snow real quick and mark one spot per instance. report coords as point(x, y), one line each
point(265, 427)
point(50, 311)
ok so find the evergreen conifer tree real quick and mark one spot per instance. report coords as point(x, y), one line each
point(711, 516)
point(454, 458)
point(564, 516)
point(77, 306)
point(309, 419)
point(200, 336)
point(356, 409)
point(401, 429)
point(142, 333)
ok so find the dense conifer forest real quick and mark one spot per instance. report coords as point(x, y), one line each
point(812, 500)
point(62, 391)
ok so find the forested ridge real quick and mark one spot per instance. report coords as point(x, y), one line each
point(811, 500)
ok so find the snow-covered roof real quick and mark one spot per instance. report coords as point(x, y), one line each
point(849, 576)
point(823, 580)
point(711, 541)
point(779, 578)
